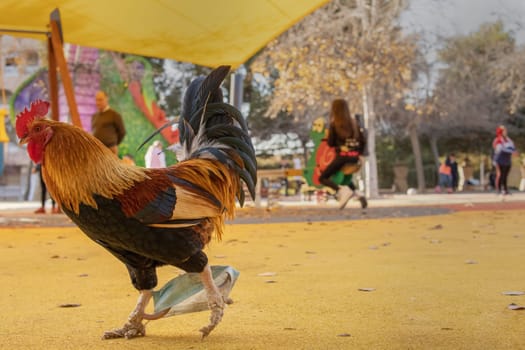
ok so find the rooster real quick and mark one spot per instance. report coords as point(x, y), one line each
point(149, 218)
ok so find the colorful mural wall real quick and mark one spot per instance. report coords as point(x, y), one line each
point(128, 82)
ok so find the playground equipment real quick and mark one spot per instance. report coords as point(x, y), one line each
point(321, 156)
point(319, 159)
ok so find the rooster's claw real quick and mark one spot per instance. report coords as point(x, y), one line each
point(129, 330)
point(217, 310)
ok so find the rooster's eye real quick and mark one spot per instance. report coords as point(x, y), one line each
point(37, 128)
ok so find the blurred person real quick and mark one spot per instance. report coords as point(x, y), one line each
point(107, 124)
point(128, 159)
point(465, 174)
point(453, 164)
point(155, 157)
point(42, 210)
point(522, 171)
point(34, 178)
point(445, 176)
point(503, 150)
point(297, 178)
point(345, 136)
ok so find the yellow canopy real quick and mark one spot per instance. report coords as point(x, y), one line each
point(204, 32)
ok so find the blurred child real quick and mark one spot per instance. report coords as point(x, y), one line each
point(155, 157)
point(128, 159)
point(445, 177)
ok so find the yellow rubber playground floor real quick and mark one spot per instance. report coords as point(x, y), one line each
point(429, 282)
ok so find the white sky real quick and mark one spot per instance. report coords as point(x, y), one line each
point(453, 17)
point(435, 19)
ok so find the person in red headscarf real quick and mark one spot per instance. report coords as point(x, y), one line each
point(503, 150)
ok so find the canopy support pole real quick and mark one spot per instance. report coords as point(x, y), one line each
point(53, 80)
point(57, 59)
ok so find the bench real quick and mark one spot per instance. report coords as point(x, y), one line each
point(274, 176)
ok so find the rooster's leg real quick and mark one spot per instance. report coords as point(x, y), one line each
point(134, 327)
point(215, 301)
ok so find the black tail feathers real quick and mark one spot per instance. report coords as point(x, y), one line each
point(210, 128)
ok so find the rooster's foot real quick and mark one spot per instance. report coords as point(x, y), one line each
point(216, 305)
point(131, 329)
point(128, 331)
point(134, 327)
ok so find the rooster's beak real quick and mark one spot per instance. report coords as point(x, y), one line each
point(23, 140)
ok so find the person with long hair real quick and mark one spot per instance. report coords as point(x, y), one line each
point(345, 136)
point(502, 161)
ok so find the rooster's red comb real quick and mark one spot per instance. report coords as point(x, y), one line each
point(37, 110)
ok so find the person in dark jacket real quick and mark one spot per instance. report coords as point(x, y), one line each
point(107, 124)
point(345, 136)
point(451, 162)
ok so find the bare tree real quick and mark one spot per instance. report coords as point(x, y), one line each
point(508, 75)
point(465, 102)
